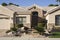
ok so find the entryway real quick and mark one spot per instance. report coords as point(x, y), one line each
point(34, 20)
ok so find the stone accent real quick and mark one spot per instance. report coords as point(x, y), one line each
point(50, 26)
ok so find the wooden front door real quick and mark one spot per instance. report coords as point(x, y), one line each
point(34, 20)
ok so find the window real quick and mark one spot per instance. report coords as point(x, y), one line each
point(57, 19)
point(21, 20)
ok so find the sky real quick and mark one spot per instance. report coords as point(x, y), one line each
point(30, 2)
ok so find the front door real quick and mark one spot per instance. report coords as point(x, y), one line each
point(34, 20)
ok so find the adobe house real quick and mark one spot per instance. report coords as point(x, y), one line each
point(28, 16)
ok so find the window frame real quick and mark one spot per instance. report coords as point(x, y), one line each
point(57, 20)
point(21, 18)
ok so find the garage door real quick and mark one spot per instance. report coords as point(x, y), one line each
point(4, 23)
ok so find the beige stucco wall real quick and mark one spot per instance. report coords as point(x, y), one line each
point(5, 23)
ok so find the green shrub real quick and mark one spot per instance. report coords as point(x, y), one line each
point(20, 25)
point(13, 29)
point(55, 35)
point(41, 24)
point(40, 28)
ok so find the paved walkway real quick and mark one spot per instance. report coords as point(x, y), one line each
point(17, 38)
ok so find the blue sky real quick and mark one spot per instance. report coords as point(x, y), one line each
point(30, 2)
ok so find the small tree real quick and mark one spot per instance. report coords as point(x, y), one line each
point(50, 5)
point(53, 5)
point(58, 1)
point(4, 4)
point(13, 4)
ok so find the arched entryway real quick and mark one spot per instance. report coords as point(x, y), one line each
point(34, 20)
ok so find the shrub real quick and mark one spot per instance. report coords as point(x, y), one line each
point(20, 25)
point(41, 24)
point(14, 29)
point(40, 28)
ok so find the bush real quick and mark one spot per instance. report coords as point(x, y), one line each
point(41, 24)
point(40, 28)
point(15, 28)
point(55, 35)
point(20, 25)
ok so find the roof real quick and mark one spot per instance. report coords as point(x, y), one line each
point(5, 11)
point(15, 8)
point(48, 8)
point(21, 10)
point(52, 10)
point(2, 8)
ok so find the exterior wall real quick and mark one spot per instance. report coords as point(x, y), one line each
point(5, 23)
point(51, 19)
point(28, 20)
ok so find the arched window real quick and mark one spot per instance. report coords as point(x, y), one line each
point(57, 20)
